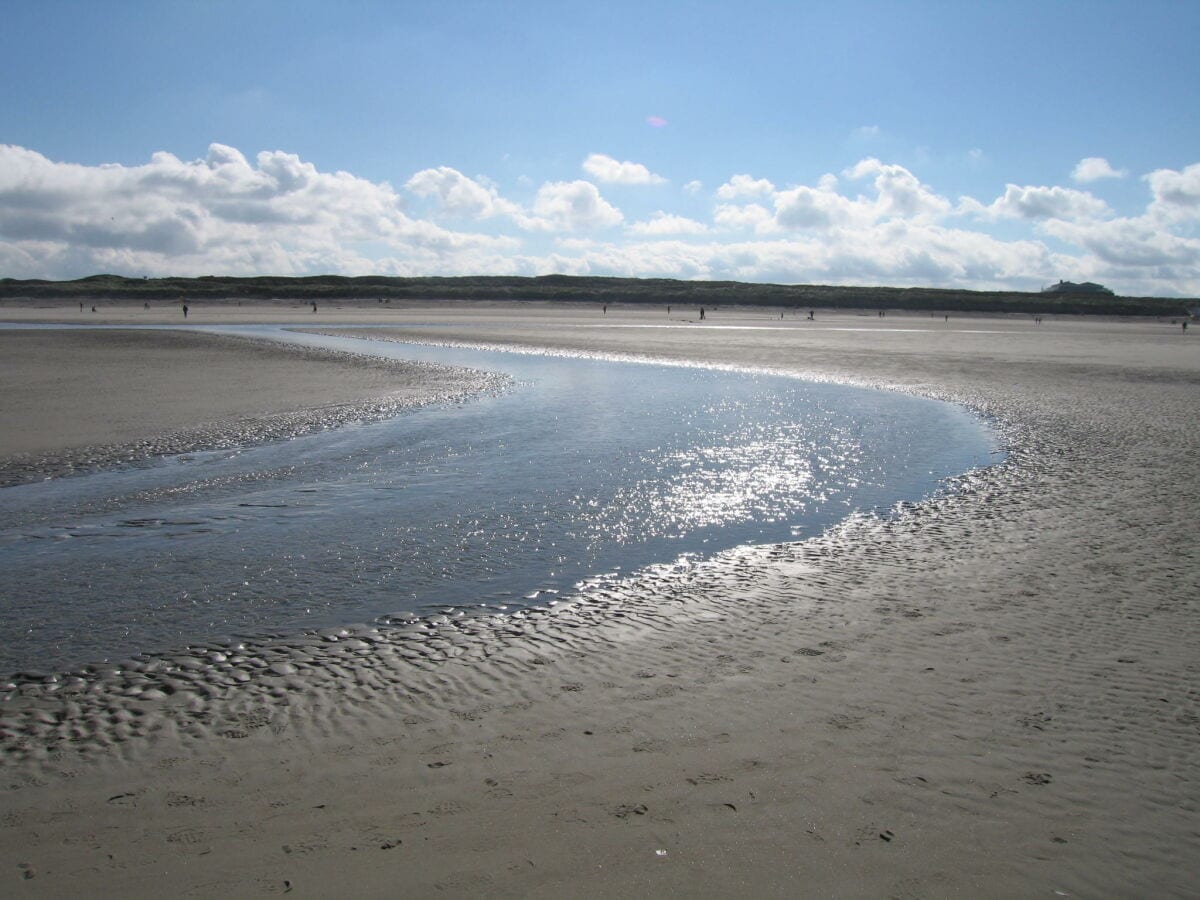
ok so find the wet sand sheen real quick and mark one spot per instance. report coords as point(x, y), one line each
point(91, 399)
point(990, 694)
point(484, 504)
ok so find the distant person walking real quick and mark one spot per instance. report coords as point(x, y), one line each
point(185, 310)
point(606, 309)
point(812, 317)
point(1184, 324)
point(314, 307)
point(702, 314)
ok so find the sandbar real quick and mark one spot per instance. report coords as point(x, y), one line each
point(80, 400)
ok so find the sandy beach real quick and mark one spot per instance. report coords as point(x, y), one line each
point(91, 399)
point(989, 694)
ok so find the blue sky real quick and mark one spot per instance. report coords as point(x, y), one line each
point(989, 145)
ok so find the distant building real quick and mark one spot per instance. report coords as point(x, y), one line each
point(1070, 287)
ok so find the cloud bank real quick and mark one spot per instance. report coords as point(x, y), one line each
point(873, 223)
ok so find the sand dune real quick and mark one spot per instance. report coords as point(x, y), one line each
point(991, 694)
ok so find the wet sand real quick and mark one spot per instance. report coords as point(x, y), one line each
point(80, 400)
point(991, 694)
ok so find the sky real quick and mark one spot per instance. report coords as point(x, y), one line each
point(981, 145)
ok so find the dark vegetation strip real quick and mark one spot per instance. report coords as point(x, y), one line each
point(583, 289)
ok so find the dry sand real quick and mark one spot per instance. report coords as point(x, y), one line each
point(991, 694)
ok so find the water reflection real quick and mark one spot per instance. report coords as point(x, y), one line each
point(586, 466)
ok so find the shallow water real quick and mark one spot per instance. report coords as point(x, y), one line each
point(585, 468)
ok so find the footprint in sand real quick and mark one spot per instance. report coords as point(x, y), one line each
point(651, 746)
point(628, 810)
point(870, 833)
point(708, 778)
point(189, 839)
point(178, 800)
point(845, 722)
point(471, 715)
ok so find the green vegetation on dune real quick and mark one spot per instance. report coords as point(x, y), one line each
point(571, 288)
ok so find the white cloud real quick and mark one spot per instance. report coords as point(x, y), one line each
point(803, 207)
point(1131, 242)
point(1094, 168)
point(607, 170)
point(459, 195)
point(893, 252)
point(751, 216)
point(666, 223)
point(693, 187)
point(1042, 203)
point(1176, 193)
point(866, 132)
point(900, 193)
point(745, 186)
point(279, 214)
point(573, 206)
point(219, 214)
